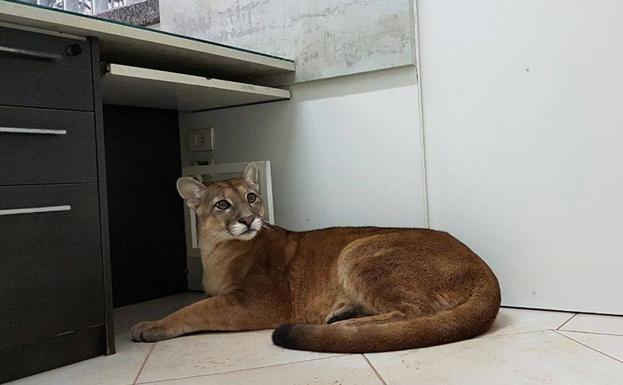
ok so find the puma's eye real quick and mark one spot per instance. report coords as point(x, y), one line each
point(222, 204)
point(251, 197)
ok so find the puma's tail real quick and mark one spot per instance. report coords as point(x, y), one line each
point(469, 319)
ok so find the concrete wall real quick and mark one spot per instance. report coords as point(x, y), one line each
point(327, 38)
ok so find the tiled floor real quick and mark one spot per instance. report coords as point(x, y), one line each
point(524, 347)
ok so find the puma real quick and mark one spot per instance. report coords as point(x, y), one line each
point(342, 289)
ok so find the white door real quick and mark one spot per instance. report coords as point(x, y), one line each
point(523, 120)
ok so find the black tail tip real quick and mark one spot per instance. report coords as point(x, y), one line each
point(284, 336)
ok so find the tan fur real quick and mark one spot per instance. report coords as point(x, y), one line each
point(382, 288)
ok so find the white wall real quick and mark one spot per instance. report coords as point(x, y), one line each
point(522, 121)
point(344, 152)
point(523, 112)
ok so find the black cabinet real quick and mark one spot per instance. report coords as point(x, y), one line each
point(55, 305)
point(46, 146)
point(38, 70)
point(51, 262)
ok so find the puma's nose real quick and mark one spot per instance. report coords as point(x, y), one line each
point(247, 220)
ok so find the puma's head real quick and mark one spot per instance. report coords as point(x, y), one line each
point(226, 210)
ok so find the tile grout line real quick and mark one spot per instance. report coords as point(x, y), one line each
point(240, 370)
point(495, 335)
point(587, 346)
point(374, 369)
point(144, 362)
point(567, 321)
point(592, 333)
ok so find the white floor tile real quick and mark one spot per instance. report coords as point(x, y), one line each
point(127, 316)
point(118, 369)
point(343, 370)
point(217, 353)
point(518, 350)
point(122, 367)
point(607, 344)
point(523, 320)
point(519, 359)
point(590, 323)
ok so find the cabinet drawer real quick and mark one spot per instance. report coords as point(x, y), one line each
point(25, 360)
point(50, 262)
point(46, 146)
point(39, 70)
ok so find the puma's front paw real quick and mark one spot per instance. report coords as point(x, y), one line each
point(150, 331)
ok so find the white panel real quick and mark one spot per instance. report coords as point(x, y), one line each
point(342, 152)
point(522, 106)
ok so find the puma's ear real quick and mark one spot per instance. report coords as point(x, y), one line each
point(251, 174)
point(191, 190)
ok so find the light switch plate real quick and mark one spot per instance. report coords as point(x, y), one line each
point(201, 139)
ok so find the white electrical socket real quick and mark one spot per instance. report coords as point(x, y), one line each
point(201, 139)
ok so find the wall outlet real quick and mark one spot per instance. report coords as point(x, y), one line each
point(201, 139)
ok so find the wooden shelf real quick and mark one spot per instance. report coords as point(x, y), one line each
point(134, 86)
point(126, 44)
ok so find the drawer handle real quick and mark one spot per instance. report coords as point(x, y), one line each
point(40, 131)
point(34, 210)
point(37, 55)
